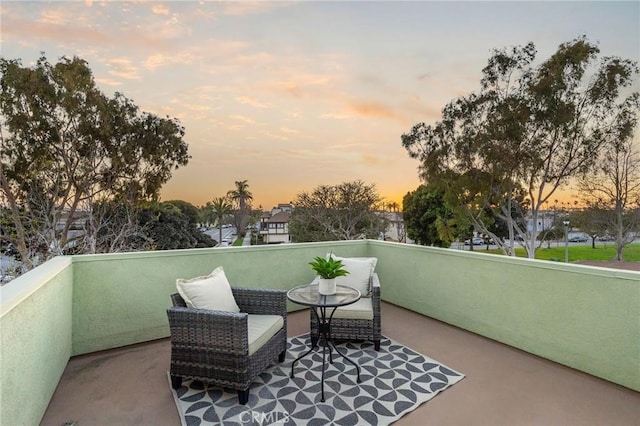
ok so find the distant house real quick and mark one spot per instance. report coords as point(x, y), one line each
point(274, 226)
point(282, 207)
point(395, 227)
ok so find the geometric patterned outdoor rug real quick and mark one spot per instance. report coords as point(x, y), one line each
point(394, 381)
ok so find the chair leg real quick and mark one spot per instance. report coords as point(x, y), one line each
point(243, 396)
point(314, 340)
point(282, 356)
point(176, 381)
point(376, 345)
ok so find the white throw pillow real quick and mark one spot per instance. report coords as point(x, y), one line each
point(210, 292)
point(360, 272)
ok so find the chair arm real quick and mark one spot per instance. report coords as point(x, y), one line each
point(261, 301)
point(375, 282)
point(375, 288)
point(224, 331)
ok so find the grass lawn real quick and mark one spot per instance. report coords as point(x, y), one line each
point(238, 241)
point(631, 252)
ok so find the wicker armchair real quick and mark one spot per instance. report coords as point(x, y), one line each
point(351, 328)
point(212, 346)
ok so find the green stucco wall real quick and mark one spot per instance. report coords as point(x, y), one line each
point(121, 299)
point(35, 340)
point(585, 317)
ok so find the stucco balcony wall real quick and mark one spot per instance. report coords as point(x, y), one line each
point(35, 339)
point(580, 316)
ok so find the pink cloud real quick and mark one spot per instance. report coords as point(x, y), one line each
point(247, 100)
point(160, 9)
point(374, 110)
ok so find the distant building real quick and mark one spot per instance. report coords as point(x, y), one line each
point(396, 230)
point(274, 226)
point(546, 220)
point(282, 207)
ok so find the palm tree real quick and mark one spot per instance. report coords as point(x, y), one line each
point(241, 196)
point(221, 207)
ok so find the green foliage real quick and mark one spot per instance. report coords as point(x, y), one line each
point(531, 127)
point(188, 210)
point(593, 220)
point(328, 268)
point(167, 226)
point(242, 197)
point(66, 148)
point(427, 219)
point(221, 208)
point(602, 252)
point(347, 211)
point(206, 214)
point(613, 192)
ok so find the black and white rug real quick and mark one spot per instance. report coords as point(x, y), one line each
point(394, 381)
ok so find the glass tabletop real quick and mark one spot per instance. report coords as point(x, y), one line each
point(309, 295)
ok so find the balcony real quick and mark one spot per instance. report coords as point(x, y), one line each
point(84, 338)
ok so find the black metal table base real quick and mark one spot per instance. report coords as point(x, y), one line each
point(324, 334)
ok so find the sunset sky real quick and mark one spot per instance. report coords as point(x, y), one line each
point(291, 95)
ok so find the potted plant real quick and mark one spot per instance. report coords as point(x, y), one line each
point(328, 270)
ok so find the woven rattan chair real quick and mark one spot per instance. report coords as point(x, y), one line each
point(212, 346)
point(354, 329)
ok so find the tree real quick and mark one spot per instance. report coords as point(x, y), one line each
point(119, 228)
point(207, 215)
point(615, 187)
point(427, 218)
point(529, 128)
point(221, 207)
point(337, 212)
point(186, 209)
point(171, 225)
point(66, 149)
point(242, 197)
point(593, 220)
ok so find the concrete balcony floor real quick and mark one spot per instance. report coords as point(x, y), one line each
point(503, 385)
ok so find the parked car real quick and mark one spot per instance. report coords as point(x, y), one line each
point(577, 239)
point(606, 238)
point(477, 241)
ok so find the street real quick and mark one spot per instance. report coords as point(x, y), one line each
point(228, 235)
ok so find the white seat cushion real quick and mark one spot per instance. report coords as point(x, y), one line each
point(360, 272)
point(362, 309)
point(261, 329)
point(209, 292)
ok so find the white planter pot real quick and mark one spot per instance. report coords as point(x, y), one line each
point(327, 287)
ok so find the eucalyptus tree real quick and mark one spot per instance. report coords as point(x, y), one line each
point(347, 211)
point(66, 149)
point(614, 188)
point(529, 129)
point(242, 197)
